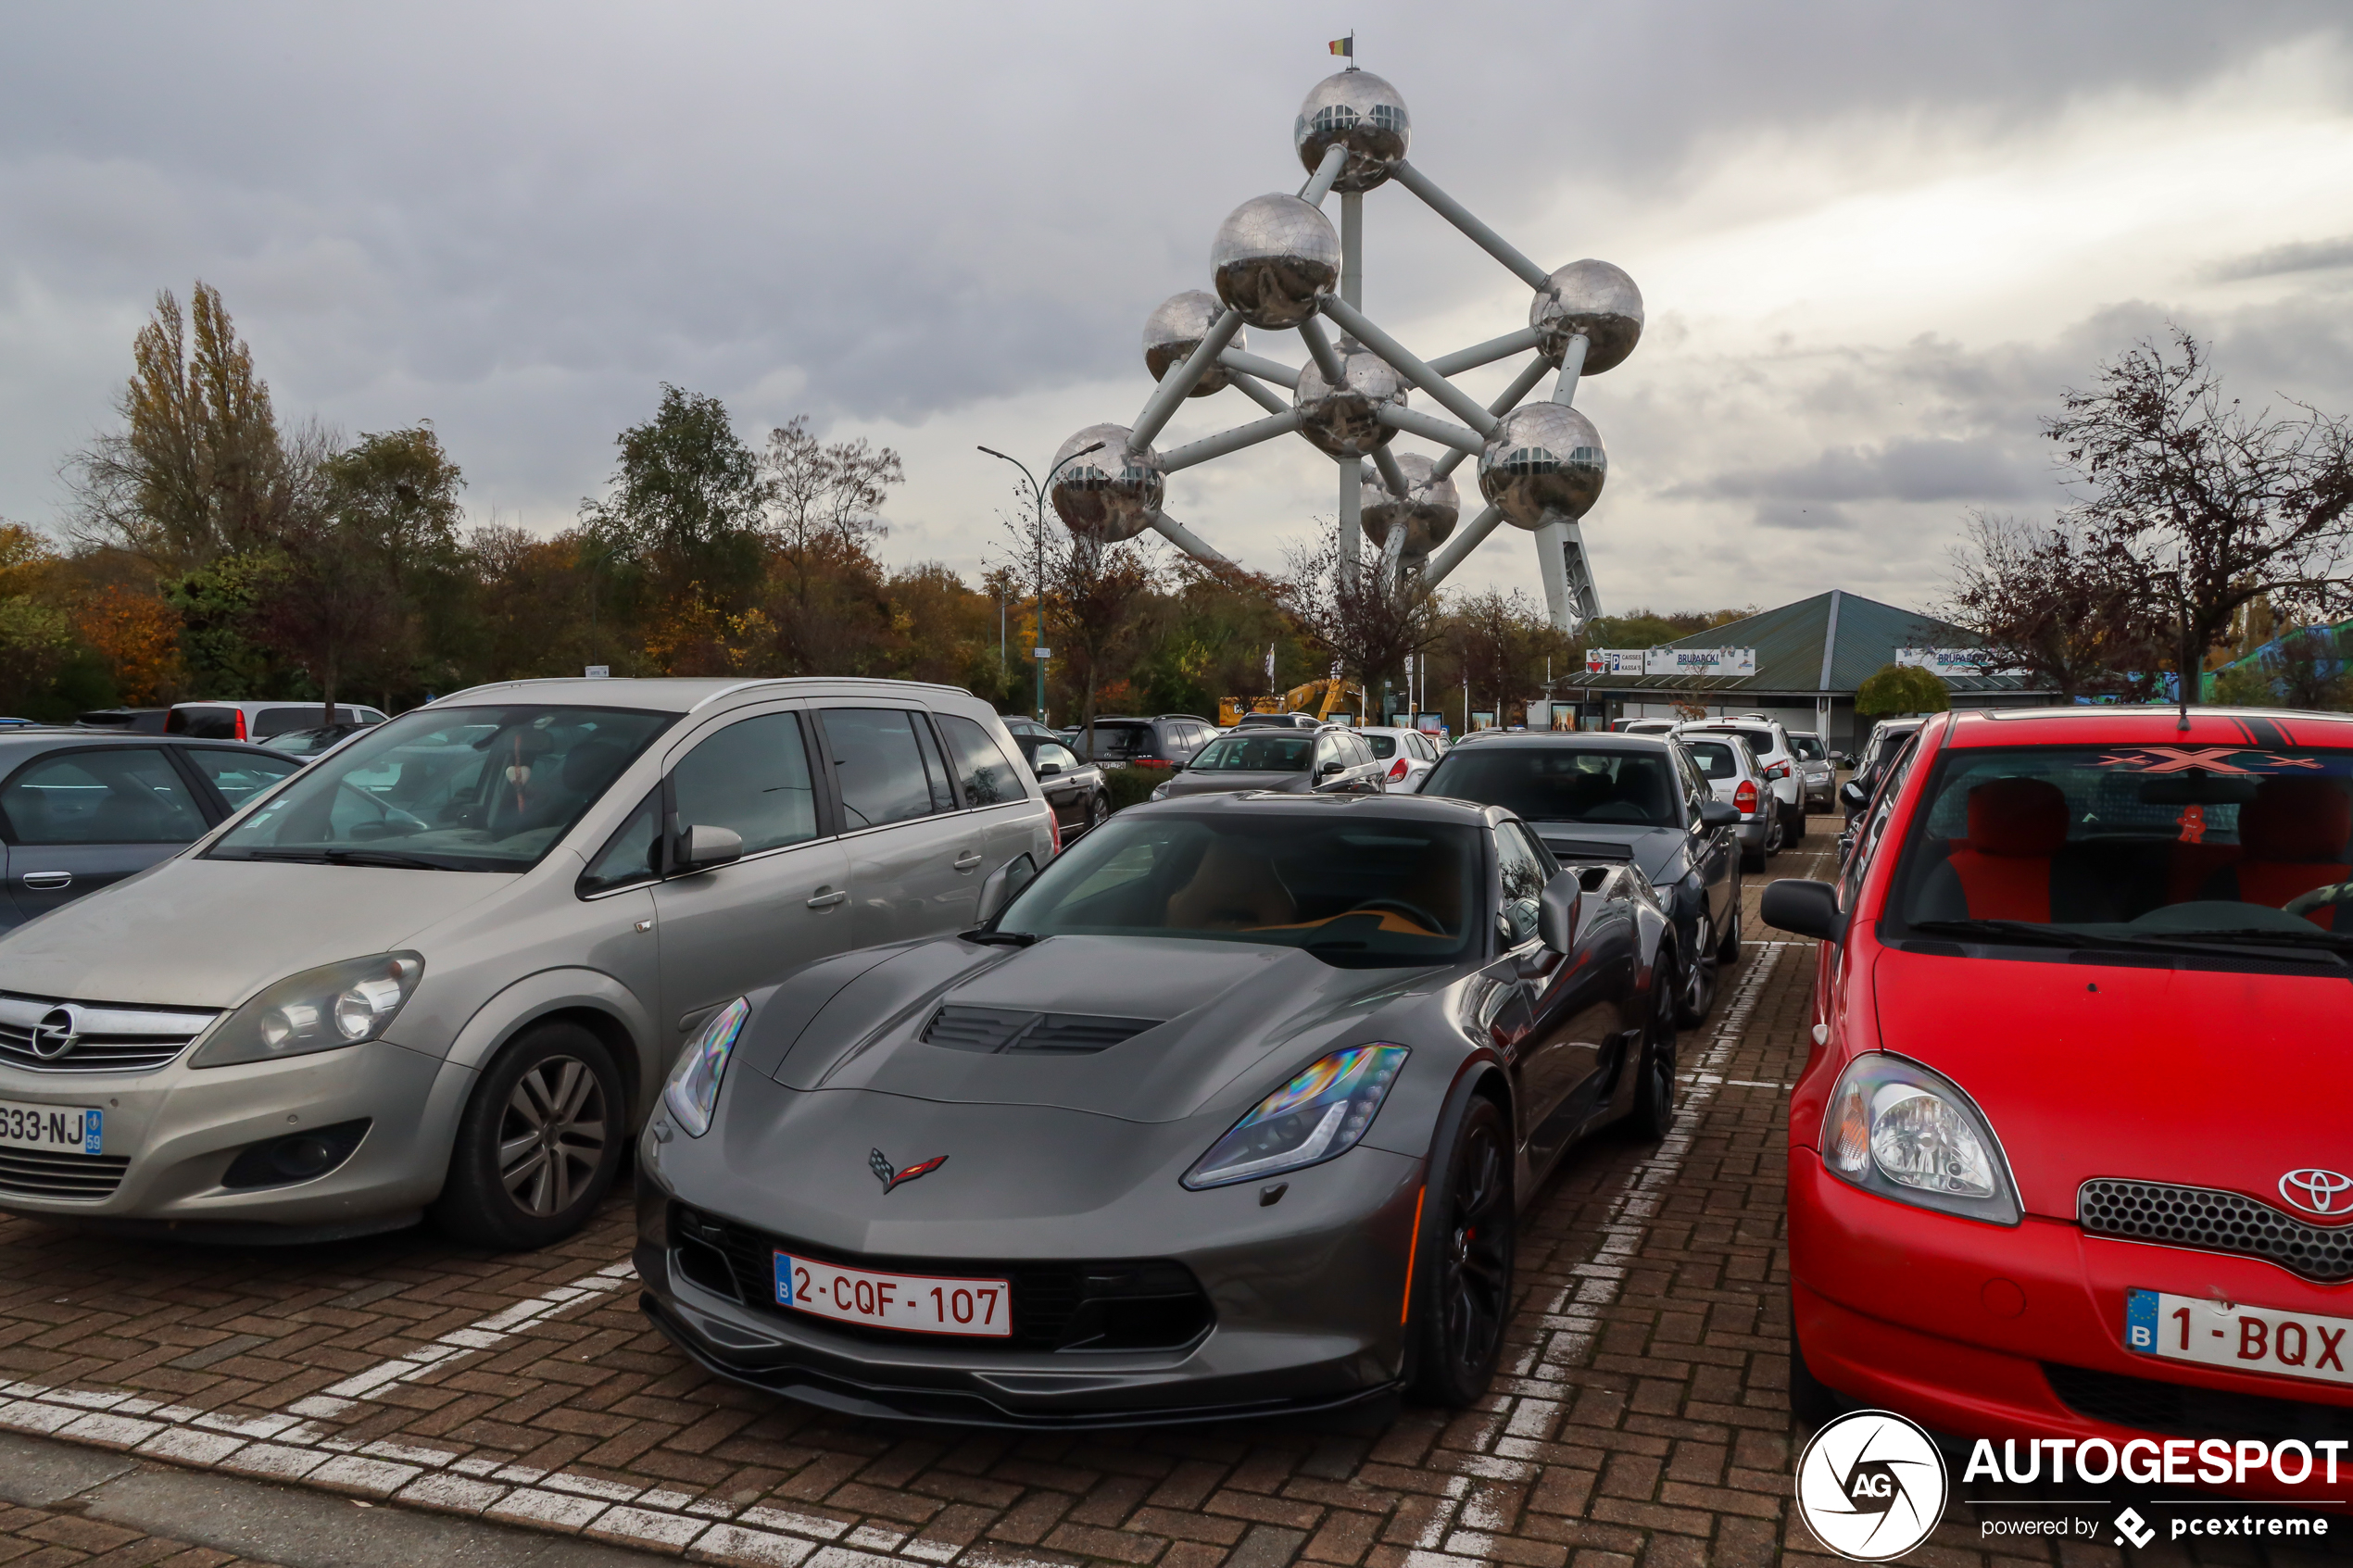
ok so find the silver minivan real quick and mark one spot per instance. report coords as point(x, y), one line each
point(445, 967)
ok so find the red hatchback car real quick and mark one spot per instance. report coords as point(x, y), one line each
point(2072, 1156)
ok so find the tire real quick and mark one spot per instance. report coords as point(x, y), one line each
point(1654, 1111)
point(1794, 834)
point(1694, 991)
point(1463, 1301)
point(1776, 834)
point(1812, 1403)
point(1752, 859)
point(557, 1168)
point(1098, 812)
point(1728, 955)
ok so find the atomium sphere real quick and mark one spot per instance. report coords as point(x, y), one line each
point(1592, 298)
point(1344, 420)
point(1426, 511)
point(1172, 331)
point(1109, 494)
point(1543, 464)
point(1275, 259)
point(1361, 112)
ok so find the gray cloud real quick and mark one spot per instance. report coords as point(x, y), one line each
point(2304, 256)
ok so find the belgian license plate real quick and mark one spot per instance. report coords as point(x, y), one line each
point(64, 1128)
point(2212, 1333)
point(917, 1303)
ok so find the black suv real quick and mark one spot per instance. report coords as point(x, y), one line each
point(1120, 741)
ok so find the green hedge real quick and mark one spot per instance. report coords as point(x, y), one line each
point(1131, 787)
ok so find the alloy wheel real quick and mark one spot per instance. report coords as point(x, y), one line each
point(1474, 1270)
point(552, 1137)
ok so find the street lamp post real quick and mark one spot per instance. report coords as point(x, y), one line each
point(1038, 514)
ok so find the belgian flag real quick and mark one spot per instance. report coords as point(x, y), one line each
point(1344, 45)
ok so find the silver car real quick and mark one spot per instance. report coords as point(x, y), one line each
point(1333, 759)
point(445, 969)
point(1813, 766)
point(1732, 772)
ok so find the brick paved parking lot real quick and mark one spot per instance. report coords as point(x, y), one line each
point(1642, 1419)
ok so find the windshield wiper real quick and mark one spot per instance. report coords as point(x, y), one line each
point(2256, 936)
point(2142, 942)
point(341, 856)
point(2013, 930)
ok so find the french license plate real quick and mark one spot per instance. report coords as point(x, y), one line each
point(2197, 1328)
point(62, 1127)
point(917, 1303)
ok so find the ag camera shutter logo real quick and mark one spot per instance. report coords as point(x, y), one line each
point(1871, 1485)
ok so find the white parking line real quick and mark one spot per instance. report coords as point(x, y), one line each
point(483, 1334)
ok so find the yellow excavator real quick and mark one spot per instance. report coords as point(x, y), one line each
point(1323, 698)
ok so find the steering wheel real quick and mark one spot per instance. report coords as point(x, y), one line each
point(1429, 923)
point(2305, 903)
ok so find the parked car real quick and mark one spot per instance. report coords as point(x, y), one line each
point(1644, 726)
point(1277, 721)
point(1166, 742)
point(1195, 1126)
point(1882, 751)
point(1333, 759)
point(1595, 797)
point(140, 720)
point(444, 968)
point(1405, 756)
point(2081, 1066)
point(85, 808)
point(1073, 788)
point(308, 744)
point(1817, 768)
point(1018, 725)
point(258, 720)
point(1731, 772)
point(1770, 744)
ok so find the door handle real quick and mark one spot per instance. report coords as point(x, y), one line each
point(827, 900)
point(48, 882)
point(967, 860)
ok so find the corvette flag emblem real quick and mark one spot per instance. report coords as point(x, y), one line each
point(890, 1178)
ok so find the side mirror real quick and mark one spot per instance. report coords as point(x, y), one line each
point(1330, 769)
point(1556, 910)
point(1804, 908)
point(1050, 770)
point(1854, 796)
point(1002, 883)
point(703, 846)
point(1718, 814)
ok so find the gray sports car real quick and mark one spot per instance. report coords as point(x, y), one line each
point(1229, 1111)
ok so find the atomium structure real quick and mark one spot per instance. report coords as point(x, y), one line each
point(1277, 265)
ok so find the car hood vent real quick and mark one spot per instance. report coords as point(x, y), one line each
point(997, 1030)
point(1586, 849)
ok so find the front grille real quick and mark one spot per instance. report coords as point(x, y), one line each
point(1124, 1305)
point(2214, 1222)
point(103, 1039)
point(994, 1030)
point(2180, 1410)
point(48, 1173)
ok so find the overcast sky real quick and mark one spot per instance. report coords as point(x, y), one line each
point(1875, 239)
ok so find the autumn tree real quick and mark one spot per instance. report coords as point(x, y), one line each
point(824, 513)
point(1350, 611)
point(1505, 643)
point(2069, 607)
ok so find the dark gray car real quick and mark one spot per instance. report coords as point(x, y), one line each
point(1332, 761)
point(1635, 798)
point(1230, 1113)
point(83, 809)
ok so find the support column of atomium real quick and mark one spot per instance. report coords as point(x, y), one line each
point(1278, 264)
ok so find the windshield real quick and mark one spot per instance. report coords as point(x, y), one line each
point(449, 789)
point(1809, 748)
point(1255, 754)
point(1367, 892)
point(1560, 784)
point(2141, 844)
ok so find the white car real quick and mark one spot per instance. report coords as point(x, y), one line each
point(1405, 756)
point(1774, 756)
point(1731, 772)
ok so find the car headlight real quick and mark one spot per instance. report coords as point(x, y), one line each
point(1317, 1116)
point(319, 1010)
point(1160, 791)
point(1899, 1130)
point(693, 1090)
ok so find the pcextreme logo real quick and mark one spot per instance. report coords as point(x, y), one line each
point(1871, 1485)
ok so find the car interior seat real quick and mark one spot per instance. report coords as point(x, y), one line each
point(2291, 839)
point(2017, 828)
point(1231, 890)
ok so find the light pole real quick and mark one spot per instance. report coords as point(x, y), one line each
point(1038, 513)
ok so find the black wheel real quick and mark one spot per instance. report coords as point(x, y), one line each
point(1654, 1110)
point(1098, 812)
point(1812, 1403)
point(1752, 859)
point(1794, 834)
point(1465, 1294)
point(538, 1143)
point(1776, 831)
point(1728, 955)
point(1695, 987)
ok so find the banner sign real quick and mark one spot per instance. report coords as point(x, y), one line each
point(1699, 661)
point(1954, 661)
point(1614, 661)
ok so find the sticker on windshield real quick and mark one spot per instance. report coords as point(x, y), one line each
point(2209, 758)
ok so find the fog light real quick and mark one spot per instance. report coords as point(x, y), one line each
point(298, 1157)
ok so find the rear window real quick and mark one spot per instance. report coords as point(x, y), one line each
point(1714, 759)
point(1384, 746)
point(1255, 754)
point(1559, 784)
point(1118, 742)
point(205, 724)
point(1759, 740)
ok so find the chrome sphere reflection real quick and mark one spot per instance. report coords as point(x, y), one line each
point(1275, 259)
point(1543, 463)
point(1592, 298)
point(1361, 112)
point(1426, 511)
point(1344, 420)
point(1172, 331)
point(1110, 495)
